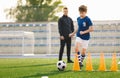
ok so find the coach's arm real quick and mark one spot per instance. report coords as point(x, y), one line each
point(60, 29)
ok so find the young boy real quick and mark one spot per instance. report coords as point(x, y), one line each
point(82, 33)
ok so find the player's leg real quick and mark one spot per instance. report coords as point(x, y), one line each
point(62, 45)
point(83, 53)
point(84, 48)
point(77, 46)
point(68, 42)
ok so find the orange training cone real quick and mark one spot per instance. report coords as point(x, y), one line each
point(76, 66)
point(89, 63)
point(114, 66)
point(102, 66)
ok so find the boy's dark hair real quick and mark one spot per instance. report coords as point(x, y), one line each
point(83, 8)
point(65, 8)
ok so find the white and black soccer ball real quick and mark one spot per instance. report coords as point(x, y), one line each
point(61, 65)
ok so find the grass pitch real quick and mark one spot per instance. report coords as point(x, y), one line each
point(37, 67)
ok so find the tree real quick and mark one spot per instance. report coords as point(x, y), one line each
point(35, 10)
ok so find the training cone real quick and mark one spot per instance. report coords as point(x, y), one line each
point(114, 66)
point(89, 63)
point(102, 66)
point(76, 66)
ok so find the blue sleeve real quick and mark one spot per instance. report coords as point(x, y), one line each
point(89, 22)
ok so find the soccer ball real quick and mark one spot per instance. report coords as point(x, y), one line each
point(61, 65)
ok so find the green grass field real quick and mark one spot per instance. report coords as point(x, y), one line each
point(37, 67)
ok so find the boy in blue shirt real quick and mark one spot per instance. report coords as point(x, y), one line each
point(85, 26)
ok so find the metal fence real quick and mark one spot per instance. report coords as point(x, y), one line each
point(105, 38)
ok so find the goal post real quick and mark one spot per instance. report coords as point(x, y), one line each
point(16, 43)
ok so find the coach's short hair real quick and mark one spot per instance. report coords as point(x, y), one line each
point(83, 8)
point(65, 8)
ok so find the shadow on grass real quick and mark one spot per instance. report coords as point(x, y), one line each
point(31, 65)
point(46, 74)
point(52, 73)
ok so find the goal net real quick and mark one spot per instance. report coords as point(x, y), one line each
point(16, 43)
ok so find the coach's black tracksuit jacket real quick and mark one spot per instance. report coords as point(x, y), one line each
point(65, 25)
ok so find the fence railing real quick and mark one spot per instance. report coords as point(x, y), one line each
point(105, 38)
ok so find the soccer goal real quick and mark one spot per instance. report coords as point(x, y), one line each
point(16, 43)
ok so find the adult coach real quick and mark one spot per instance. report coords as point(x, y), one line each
point(65, 27)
